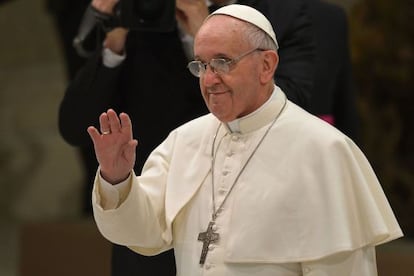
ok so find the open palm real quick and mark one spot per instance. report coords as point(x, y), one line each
point(114, 146)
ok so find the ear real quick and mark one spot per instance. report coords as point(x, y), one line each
point(269, 65)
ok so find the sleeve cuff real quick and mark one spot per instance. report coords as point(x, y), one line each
point(113, 195)
point(111, 59)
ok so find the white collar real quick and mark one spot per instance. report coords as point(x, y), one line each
point(246, 123)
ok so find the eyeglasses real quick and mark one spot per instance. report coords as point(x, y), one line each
point(217, 65)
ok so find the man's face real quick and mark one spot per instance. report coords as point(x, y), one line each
point(234, 94)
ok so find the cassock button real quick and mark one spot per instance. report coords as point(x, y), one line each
point(222, 190)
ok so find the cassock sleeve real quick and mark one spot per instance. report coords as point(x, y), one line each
point(110, 196)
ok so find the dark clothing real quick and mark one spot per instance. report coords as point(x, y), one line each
point(67, 16)
point(333, 94)
point(291, 23)
point(155, 88)
point(3, 1)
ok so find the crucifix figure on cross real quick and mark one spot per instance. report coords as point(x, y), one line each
point(207, 237)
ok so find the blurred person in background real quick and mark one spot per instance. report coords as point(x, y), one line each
point(67, 16)
point(333, 95)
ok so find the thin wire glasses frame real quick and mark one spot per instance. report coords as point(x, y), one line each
point(217, 65)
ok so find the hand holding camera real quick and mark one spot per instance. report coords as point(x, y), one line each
point(104, 6)
point(190, 14)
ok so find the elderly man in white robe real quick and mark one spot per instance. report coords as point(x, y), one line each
point(257, 187)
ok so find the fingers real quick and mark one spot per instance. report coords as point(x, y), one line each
point(111, 123)
point(104, 123)
point(105, 6)
point(126, 123)
point(93, 133)
point(191, 14)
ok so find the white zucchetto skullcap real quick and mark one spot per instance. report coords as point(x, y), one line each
point(250, 15)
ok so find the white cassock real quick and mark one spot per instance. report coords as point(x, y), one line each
point(306, 203)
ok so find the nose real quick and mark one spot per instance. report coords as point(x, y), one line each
point(209, 77)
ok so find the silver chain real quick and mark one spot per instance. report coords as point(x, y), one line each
point(213, 160)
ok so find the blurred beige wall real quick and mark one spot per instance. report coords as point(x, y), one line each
point(39, 172)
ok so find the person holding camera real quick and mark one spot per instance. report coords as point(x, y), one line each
point(144, 73)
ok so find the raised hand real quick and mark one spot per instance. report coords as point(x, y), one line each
point(115, 40)
point(114, 146)
point(190, 14)
point(104, 6)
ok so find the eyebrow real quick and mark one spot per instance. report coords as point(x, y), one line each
point(218, 55)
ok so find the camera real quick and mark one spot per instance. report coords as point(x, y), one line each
point(139, 15)
point(147, 15)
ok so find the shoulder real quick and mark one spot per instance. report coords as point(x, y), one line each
point(313, 141)
point(309, 128)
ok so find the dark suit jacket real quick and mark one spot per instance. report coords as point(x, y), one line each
point(333, 94)
point(291, 22)
point(155, 88)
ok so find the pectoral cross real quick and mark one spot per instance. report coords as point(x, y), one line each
point(207, 237)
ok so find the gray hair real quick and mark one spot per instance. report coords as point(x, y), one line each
point(257, 38)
